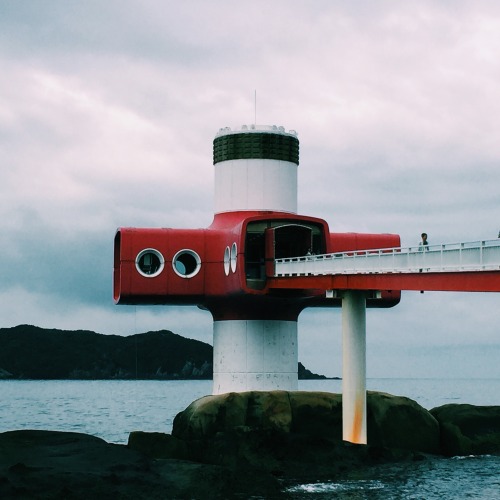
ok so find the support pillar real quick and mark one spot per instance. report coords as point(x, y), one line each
point(354, 367)
point(255, 355)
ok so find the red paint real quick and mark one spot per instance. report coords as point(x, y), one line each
point(464, 281)
point(343, 242)
point(247, 293)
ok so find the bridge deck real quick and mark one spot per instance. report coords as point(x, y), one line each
point(470, 266)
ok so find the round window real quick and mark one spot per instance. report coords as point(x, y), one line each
point(186, 263)
point(234, 255)
point(149, 262)
point(227, 259)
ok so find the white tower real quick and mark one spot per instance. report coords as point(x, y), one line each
point(255, 170)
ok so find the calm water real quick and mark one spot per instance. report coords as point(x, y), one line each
point(112, 409)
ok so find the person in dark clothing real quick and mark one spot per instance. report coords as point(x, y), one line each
point(424, 242)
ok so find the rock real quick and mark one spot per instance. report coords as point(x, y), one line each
point(300, 432)
point(468, 430)
point(399, 422)
point(207, 416)
point(316, 414)
point(157, 445)
point(238, 445)
point(4, 374)
point(71, 466)
point(393, 421)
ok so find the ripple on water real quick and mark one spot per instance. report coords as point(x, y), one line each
point(473, 477)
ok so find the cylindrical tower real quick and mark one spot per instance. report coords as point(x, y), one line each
point(255, 169)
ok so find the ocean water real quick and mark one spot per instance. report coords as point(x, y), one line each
point(111, 409)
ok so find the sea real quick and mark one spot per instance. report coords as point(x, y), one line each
point(111, 409)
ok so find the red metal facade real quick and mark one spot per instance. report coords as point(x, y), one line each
point(240, 288)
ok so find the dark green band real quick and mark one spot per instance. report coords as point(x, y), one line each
point(264, 145)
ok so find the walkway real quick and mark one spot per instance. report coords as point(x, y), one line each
point(470, 266)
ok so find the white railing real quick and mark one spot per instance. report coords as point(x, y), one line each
point(449, 257)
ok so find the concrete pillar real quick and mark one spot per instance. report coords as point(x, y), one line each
point(354, 367)
point(255, 355)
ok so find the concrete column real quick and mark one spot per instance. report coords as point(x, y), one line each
point(354, 367)
point(256, 355)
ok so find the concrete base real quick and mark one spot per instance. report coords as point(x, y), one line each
point(256, 355)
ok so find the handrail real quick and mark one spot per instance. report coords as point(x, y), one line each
point(447, 257)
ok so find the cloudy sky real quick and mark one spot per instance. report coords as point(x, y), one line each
point(108, 111)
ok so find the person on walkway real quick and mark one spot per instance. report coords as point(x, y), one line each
point(423, 245)
point(424, 242)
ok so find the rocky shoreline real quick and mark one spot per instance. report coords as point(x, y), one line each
point(239, 445)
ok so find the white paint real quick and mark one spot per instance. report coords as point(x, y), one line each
point(255, 184)
point(234, 256)
point(255, 355)
point(443, 258)
point(354, 367)
point(227, 259)
point(253, 128)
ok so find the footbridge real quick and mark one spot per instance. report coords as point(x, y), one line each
point(353, 276)
point(466, 267)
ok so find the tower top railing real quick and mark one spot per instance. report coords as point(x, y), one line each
point(447, 257)
point(248, 129)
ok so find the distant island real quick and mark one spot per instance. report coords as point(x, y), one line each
point(30, 352)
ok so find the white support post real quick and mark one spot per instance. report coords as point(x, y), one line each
point(354, 367)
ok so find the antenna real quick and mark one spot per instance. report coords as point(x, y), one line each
point(255, 107)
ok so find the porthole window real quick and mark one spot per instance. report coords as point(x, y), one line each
point(234, 255)
point(227, 259)
point(149, 262)
point(186, 263)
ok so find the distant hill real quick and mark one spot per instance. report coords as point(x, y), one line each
point(30, 352)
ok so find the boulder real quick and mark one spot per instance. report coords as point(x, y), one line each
point(400, 422)
point(4, 374)
point(51, 465)
point(393, 421)
point(157, 445)
point(210, 415)
point(316, 414)
point(268, 429)
point(468, 429)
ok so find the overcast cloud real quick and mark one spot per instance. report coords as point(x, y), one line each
point(108, 111)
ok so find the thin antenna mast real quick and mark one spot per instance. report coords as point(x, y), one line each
point(255, 107)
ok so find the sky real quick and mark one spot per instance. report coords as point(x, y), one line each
point(108, 111)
